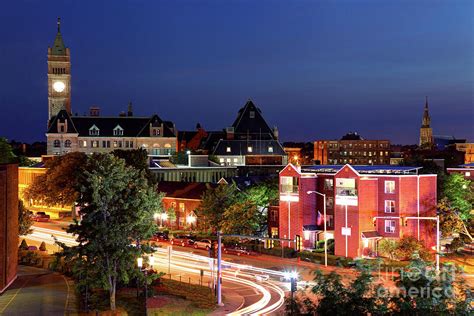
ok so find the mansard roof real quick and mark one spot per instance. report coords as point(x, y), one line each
point(250, 122)
point(132, 126)
point(240, 147)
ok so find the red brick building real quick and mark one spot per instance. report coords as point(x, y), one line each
point(467, 170)
point(185, 199)
point(363, 205)
point(8, 224)
point(352, 149)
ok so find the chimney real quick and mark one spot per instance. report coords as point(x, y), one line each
point(230, 132)
point(130, 110)
point(94, 111)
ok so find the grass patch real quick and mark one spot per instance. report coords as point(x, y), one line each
point(178, 306)
point(199, 296)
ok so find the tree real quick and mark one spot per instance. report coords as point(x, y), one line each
point(137, 158)
point(459, 193)
point(243, 218)
point(6, 152)
point(117, 207)
point(59, 185)
point(387, 247)
point(214, 203)
point(450, 221)
point(407, 245)
point(24, 219)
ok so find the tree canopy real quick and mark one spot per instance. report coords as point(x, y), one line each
point(24, 219)
point(117, 206)
point(6, 152)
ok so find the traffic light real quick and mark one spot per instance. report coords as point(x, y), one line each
point(374, 221)
point(405, 222)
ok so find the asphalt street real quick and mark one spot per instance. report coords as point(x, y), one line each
point(36, 292)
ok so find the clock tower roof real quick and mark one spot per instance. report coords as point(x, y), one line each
point(59, 48)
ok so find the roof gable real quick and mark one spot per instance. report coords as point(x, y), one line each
point(59, 118)
point(250, 122)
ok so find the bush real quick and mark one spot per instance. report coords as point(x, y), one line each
point(42, 246)
point(407, 245)
point(23, 245)
point(276, 251)
point(455, 244)
point(28, 257)
point(318, 257)
point(387, 247)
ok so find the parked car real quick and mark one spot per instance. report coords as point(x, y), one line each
point(203, 244)
point(41, 217)
point(182, 240)
point(160, 236)
point(235, 250)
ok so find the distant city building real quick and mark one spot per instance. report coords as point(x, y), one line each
point(364, 204)
point(191, 140)
point(95, 133)
point(248, 142)
point(426, 133)
point(352, 149)
point(8, 224)
point(442, 142)
point(299, 153)
point(466, 170)
point(468, 150)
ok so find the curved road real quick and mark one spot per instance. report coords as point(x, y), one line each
point(36, 292)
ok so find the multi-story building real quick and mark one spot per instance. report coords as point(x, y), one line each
point(467, 149)
point(426, 132)
point(95, 133)
point(184, 198)
point(352, 149)
point(8, 224)
point(248, 142)
point(364, 204)
point(466, 170)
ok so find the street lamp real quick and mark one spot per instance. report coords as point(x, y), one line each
point(293, 277)
point(191, 219)
point(151, 262)
point(325, 239)
point(155, 217)
point(189, 157)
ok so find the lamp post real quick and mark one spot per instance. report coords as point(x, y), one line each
point(151, 262)
point(325, 239)
point(293, 277)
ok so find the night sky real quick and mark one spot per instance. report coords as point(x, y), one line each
point(317, 69)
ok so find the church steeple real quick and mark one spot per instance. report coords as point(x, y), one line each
point(426, 133)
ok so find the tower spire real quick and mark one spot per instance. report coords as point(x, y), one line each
point(426, 102)
point(59, 24)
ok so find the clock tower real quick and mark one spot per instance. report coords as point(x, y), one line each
point(59, 76)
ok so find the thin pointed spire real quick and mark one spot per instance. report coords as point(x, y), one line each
point(426, 101)
point(59, 24)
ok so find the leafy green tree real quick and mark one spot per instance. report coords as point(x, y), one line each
point(24, 219)
point(243, 218)
point(387, 247)
point(451, 222)
point(137, 158)
point(6, 152)
point(407, 245)
point(214, 203)
point(117, 207)
point(460, 194)
point(59, 185)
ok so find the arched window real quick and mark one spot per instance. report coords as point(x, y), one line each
point(57, 143)
point(67, 143)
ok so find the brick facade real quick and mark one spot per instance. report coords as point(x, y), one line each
point(8, 224)
point(360, 198)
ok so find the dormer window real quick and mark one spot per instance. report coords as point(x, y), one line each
point(270, 149)
point(118, 131)
point(250, 149)
point(252, 114)
point(94, 131)
point(228, 149)
point(155, 131)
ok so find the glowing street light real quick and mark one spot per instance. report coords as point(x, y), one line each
point(140, 262)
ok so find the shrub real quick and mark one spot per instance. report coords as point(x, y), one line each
point(387, 247)
point(456, 243)
point(42, 246)
point(407, 245)
point(23, 245)
point(276, 251)
point(318, 257)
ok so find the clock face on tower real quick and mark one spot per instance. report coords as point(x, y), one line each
point(59, 86)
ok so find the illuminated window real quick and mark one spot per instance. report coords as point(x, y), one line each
point(390, 187)
point(221, 160)
point(249, 149)
point(270, 149)
point(289, 185)
point(236, 160)
point(328, 184)
point(468, 174)
point(389, 226)
point(84, 143)
point(389, 206)
point(228, 149)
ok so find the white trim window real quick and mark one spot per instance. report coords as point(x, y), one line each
point(228, 149)
point(270, 149)
point(94, 131)
point(389, 206)
point(389, 186)
point(249, 149)
point(56, 143)
point(390, 226)
point(118, 130)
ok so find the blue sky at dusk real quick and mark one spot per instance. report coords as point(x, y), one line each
point(317, 69)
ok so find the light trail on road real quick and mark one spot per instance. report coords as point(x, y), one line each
point(242, 274)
